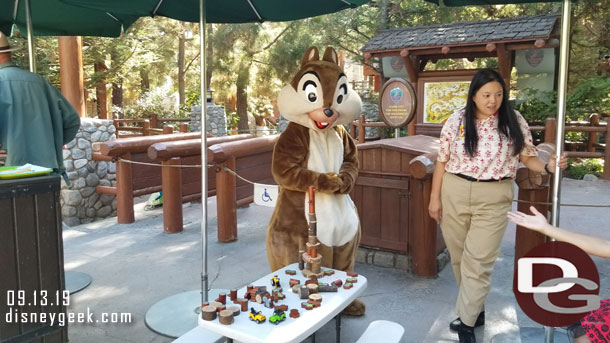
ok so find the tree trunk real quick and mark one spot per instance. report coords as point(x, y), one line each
point(117, 85)
point(383, 14)
point(100, 90)
point(117, 95)
point(242, 99)
point(145, 80)
point(181, 71)
point(209, 57)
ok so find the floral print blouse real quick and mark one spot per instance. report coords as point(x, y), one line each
point(493, 158)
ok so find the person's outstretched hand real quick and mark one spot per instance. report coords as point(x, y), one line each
point(537, 222)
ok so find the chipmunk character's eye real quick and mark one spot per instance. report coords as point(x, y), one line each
point(311, 90)
point(342, 93)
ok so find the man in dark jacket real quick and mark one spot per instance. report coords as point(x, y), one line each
point(35, 119)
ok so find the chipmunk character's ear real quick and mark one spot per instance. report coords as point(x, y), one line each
point(330, 55)
point(310, 55)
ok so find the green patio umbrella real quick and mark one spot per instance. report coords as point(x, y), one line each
point(57, 18)
point(457, 3)
point(221, 11)
point(561, 96)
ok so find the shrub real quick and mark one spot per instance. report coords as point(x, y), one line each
point(579, 167)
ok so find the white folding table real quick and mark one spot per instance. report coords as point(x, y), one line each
point(290, 330)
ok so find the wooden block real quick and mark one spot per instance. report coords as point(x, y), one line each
point(296, 288)
point(208, 312)
point(215, 303)
point(351, 280)
point(294, 282)
point(327, 288)
point(310, 281)
point(222, 298)
point(235, 310)
point(348, 285)
point(233, 295)
point(313, 288)
point(291, 272)
point(307, 306)
point(338, 283)
point(315, 297)
point(352, 274)
point(329, 272)
point(283, 307)
point(314, 303)
point(226, 317)
point(243, 303)
point(294, 313)
point(221, 308)
point(260, 297)
point(303, 292)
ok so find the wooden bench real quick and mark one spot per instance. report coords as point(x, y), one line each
point(132, 179)
point(250, 158)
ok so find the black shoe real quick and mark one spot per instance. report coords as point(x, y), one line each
point(454, 325)
point(466, 334)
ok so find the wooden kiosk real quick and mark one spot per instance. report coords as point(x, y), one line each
point(395, 176)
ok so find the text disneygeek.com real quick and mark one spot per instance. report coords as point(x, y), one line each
point(15, 316)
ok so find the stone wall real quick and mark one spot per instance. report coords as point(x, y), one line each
point(217, 119)
point(80, 202)
point(371, 113)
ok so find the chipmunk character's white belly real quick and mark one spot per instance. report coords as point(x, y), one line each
point(337, 220)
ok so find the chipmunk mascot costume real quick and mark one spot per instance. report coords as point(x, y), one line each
point(316, 150)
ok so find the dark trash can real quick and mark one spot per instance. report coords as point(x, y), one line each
point(31, 261)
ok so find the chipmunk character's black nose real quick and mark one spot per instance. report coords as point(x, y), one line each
point(328, 112)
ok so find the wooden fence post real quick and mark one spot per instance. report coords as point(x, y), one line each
point(115, 123)
point(154, 120)
point(550, 130)
point(533, 187)
point(184, 127)
point(361, 133)
point(168, 129)
point(423, 230)
point(592, 139)
point(226, 201)
point(146, 127)
point(172, 195)
point(124, 188)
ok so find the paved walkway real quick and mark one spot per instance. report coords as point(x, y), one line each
point(134, 266)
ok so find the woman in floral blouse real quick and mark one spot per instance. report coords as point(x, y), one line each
point(472, 189)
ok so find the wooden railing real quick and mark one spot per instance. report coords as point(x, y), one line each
point(361, 124)
point(245, 154)
point(593, 128)
point(135, 179)
point(156, 122)
point(143, 127)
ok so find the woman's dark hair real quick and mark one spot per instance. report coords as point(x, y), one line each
point(507, 119)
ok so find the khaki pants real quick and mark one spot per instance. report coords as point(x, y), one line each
point(473, 224)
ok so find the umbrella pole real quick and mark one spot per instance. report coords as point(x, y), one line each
point(28, 22)
point(204, 156)
point(564, 56)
